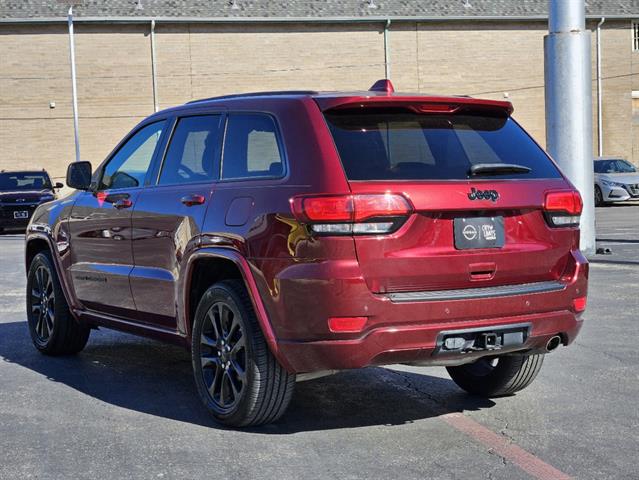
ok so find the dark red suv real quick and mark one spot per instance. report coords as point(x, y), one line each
point(282, 236)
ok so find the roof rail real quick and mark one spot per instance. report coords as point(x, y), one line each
point(256, 94)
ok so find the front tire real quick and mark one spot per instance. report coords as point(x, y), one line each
point(497, 376)
point(53, 329)
point(237, 377)
point(599, 200)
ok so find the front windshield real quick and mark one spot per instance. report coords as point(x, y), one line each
point(614, 166)
point(16, 181)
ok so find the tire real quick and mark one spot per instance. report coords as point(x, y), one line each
point(237, 377)
point(53, 330)
point(599, 201)
point(497, 376)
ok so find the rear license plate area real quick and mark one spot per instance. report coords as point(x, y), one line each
point(478, 232)
point(22, 214)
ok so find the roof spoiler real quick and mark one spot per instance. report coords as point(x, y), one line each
point(418, 104)
point(382, 95)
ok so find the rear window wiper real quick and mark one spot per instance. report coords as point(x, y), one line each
point(497, 169)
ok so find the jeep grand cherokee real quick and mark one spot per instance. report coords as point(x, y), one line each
point(281, 236)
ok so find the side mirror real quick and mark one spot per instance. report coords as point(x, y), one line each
point(79, 175)
point(58, 185)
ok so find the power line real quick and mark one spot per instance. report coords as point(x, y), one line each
point(533, 87)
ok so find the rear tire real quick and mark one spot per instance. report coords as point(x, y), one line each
point(53, 329)
point(497, 376)
point(237, 377)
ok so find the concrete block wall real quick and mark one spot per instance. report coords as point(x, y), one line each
point(494, 60)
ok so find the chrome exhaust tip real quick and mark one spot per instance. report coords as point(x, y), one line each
point(553, 343)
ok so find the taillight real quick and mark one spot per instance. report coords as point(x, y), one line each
point(362, 214)
point(563, 209)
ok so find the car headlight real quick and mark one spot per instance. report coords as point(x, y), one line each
point(612, 184)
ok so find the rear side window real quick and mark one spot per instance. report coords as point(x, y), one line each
point(251, 147)
point(384, 144)
point(190, 157)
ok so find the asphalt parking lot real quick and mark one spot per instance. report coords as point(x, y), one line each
point(127, 407)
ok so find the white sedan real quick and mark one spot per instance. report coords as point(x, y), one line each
point(616, 180)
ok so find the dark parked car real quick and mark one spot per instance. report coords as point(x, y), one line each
point(286, 235)
point(20, 193)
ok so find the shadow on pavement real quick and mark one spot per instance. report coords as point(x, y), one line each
point(613, 262)
point(626, 203)
point(616, 240)
point(156, 379)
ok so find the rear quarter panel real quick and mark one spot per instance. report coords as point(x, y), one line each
point(267, 234)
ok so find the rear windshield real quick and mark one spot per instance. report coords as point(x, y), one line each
point(401, 145)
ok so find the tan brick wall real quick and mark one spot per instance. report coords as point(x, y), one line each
point(198, 60)
point(617, 76)
point(114, 92)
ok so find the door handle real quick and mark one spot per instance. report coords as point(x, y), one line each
point(122, 203)
point(190, 200)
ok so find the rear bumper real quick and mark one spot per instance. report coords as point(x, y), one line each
point(404, 331)
point(418, 343)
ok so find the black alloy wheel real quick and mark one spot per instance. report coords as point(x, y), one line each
point(53, 329)
point(237, 377)
point(42, 304)
point(223, 356)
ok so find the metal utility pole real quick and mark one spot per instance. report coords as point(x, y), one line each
point(599, 92)
point(153, 68)
point(74, 88)
point(387, 60)
point(569, 104)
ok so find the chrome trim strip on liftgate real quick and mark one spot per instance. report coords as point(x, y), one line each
point(474, 293)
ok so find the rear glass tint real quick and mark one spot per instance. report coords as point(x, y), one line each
point(401, 145)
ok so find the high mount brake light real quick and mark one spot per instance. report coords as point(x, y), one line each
point(360, 214)
point(437, 108)
point(563, 209)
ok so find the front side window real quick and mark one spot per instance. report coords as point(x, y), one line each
point(128, 167)
point(190, 157)
point(251, 147)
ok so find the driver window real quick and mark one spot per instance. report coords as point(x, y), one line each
point(128, 167)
